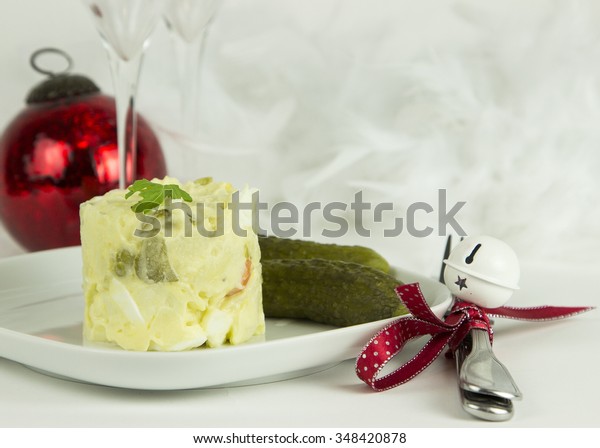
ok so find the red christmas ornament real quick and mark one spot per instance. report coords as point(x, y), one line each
point(59, 152)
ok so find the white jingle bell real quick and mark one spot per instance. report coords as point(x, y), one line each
point(482, 270)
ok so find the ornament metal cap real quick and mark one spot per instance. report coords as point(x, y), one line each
point(61, 85)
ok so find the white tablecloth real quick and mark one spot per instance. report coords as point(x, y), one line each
point(556, 365)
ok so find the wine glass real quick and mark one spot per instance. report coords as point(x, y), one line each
point(125, 27)
point(188, 22)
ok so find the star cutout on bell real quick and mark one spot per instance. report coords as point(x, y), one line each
point(461, 283)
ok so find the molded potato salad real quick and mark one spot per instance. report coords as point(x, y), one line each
point(170, 289)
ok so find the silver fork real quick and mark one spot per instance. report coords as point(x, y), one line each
point(481, 405)
point(478, 397)
point(481, 371)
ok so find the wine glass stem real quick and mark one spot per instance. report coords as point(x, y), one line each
point(125, 74)
point(192, 55)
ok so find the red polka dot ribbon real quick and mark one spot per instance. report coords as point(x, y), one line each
point(463, 316)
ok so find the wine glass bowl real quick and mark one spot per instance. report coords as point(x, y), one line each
point(189, 18)
point(125, 26)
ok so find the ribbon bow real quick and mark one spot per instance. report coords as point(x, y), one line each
point(463, 316)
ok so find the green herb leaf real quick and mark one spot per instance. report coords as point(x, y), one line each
point(153, 194)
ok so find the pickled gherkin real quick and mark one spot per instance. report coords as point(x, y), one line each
point(152, 264)
point(274, 248)
point(123, 263)
point(332, 292)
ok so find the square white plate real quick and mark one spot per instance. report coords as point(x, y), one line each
point(41, 310)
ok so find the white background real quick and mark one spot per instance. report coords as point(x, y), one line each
point(497, 102)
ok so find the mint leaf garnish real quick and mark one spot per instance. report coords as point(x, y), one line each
point(153, 194)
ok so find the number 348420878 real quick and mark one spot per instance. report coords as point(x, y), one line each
point(370, 437)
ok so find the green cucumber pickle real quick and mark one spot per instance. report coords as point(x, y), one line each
point(273, 248)
point(331, 292)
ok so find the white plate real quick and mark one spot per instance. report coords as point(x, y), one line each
point(41, 309)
